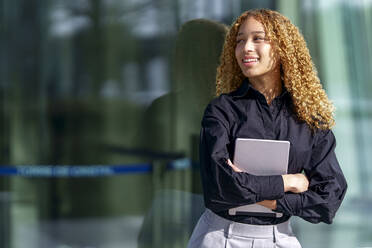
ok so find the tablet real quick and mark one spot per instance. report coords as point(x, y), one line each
point(260, 157)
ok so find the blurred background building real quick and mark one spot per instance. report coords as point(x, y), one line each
point(112, 83)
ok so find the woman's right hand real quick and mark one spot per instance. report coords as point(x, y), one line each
point(234, 167)
point(296, 183)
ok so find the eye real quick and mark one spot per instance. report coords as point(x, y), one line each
point(259, 38)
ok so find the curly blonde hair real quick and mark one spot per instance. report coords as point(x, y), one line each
point(299, 75)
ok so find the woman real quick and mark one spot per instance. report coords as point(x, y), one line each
point(267, 88)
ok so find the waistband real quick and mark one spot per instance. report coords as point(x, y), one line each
point(246, 230)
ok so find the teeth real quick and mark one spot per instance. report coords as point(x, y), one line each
point(250, 60)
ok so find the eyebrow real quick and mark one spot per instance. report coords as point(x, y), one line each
point(253, 32)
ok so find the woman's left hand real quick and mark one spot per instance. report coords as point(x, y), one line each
point(235, 168)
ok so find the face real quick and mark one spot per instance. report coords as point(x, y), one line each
point(253, 51)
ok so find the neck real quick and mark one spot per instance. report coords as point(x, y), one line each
point(268, 85)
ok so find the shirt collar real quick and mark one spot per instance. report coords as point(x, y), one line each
point(246, 88)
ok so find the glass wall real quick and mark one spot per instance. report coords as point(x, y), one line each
point(101, 102)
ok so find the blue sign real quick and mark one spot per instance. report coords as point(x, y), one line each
point(73, 170)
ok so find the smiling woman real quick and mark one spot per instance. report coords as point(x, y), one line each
point(267, 88)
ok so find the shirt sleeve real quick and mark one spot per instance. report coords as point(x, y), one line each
point(223, 187)
point(327, 186)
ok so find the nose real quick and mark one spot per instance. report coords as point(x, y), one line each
point(248, 46)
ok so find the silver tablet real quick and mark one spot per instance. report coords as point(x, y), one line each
point(260, 157)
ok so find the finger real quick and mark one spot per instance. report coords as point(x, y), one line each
point(235, 168)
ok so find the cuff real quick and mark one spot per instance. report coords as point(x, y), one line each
point(289, 204)
point(272, 188)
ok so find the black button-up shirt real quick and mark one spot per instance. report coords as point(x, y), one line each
point(244, 113)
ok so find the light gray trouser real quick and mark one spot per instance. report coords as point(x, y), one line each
point(213, 231)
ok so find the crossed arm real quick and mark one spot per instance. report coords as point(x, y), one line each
point(295, 183)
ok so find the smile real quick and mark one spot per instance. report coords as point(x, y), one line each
point(250, 60)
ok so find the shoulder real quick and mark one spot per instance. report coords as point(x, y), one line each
point(222, 103)
point(324, 137)
point(219, 109)
point(226, 105)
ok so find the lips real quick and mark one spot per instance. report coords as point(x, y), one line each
point(250, 60)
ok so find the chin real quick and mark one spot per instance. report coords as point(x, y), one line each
point(251, 75)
